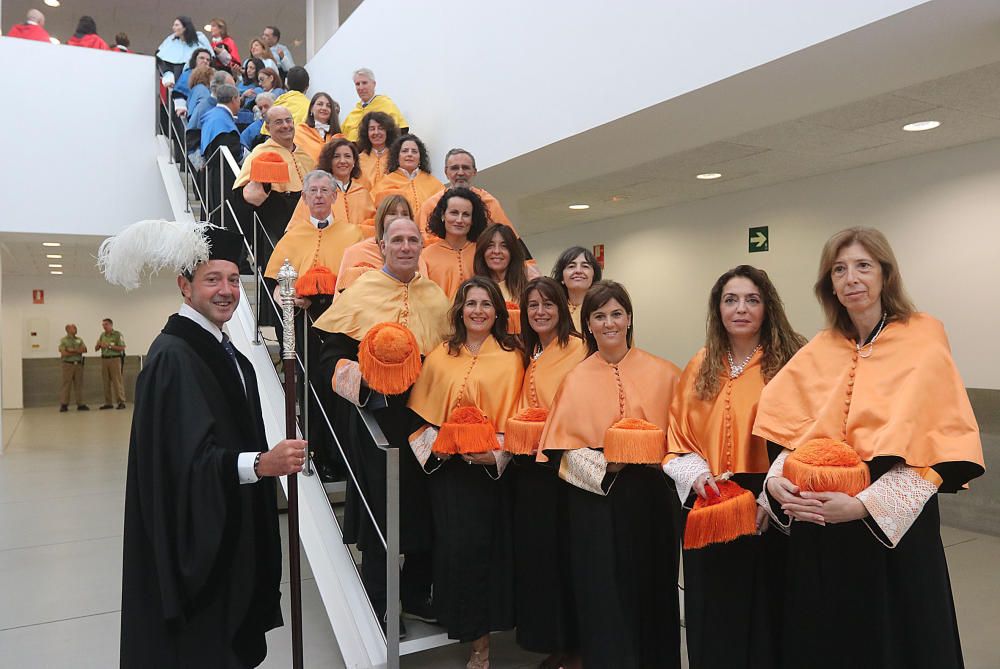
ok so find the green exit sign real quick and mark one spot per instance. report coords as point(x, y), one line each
point(759, 239)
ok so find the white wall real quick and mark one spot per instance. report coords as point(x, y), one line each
point(139, 315)
point(78, 137)
point(939, 210)
point(457, 69)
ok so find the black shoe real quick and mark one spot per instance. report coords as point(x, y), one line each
point(326, 473)
point(82, 407)
point(121, 405)
point(104, 406)
point(63, 408)
point(423, 611)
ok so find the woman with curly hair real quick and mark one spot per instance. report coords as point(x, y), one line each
point(731, 589)
point(467, 389)
point(408, 173)
point(378, 132)
point(457, 221)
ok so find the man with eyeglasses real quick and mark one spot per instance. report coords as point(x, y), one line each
point(315, 248)
point(272, 201)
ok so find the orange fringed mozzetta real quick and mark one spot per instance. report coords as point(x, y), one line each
point(514, 320)
point(524, 431)
point(827, 465)
point(635, 441)
point(467, 430)
point(269, 168)
point(389, 358)
point(721, 518)
point(318, 280)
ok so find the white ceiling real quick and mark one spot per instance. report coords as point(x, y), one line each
point(868, 131)
point(22, 254)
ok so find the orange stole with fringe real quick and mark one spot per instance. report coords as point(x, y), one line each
point(589, 401)
point(541, 382)
point(447, 267)
point(416, 190)
point(719, 429)
point(358, 259)
point(905, 400)
point(377, 298)
point(489, 381)
point(306, 246)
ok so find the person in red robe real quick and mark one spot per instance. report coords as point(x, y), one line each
point(86, 35)
point(33, 27)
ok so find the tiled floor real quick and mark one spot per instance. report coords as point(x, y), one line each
point(62, 479)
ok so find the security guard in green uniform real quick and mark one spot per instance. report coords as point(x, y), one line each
point(111, 344)
point(71, 350)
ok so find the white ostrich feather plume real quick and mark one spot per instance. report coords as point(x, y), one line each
point(144, 248)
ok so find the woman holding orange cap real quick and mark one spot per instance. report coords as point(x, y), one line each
point(713, 453)
point(609, 419)
point(466, 391)
point(867, 581)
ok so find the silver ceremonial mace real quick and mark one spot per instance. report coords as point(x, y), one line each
point(286, 280)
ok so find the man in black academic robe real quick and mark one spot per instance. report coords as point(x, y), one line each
point(202, 553)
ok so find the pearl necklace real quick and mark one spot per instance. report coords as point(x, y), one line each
point(871, 345)
point(734, 369)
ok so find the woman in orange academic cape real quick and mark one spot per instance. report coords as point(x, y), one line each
point(732, 588)
point(576, 270)
point(457, 221)
point(867, 581)
point(543, 602)
point(608, 421)
point(377, 133)
point(352, 204)
point(408, 173)
point(321, 126)
point(468, 388)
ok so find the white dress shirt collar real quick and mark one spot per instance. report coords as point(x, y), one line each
point(187, 311)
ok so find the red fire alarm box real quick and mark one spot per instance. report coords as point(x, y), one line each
point(38, 296)
point(599, 254)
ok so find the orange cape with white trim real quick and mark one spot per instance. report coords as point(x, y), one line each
point(587, 403)
point(490, 381)
point(906, 400)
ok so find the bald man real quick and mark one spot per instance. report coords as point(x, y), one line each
point(33, 27)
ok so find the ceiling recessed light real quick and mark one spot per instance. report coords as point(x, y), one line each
point(54, 266)
point(55, 271)
point(920, 126)
point(51, 244)
point(53, 256)
point(54, 40)
point(579, 206)
point(208, 27)
point(52, 3)
point(706, 176)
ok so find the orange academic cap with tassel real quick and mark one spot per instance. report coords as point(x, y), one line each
point(269, 168)
point(318, 280)
point(635, 441)
point(524, 431)
point(467, 430)
point(827, 465)
point(721, 518)
point(389, 358)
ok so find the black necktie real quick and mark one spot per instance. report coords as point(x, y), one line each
point(227, 344)
point(323, 224)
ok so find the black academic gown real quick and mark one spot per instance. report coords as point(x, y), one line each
point(202, 553)
point(367, 462)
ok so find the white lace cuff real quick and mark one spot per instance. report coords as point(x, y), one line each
point(585, 468)
point(776, 470)
point(347, 381)
point(422, 443)
point(684, 470)
point(895, 500)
